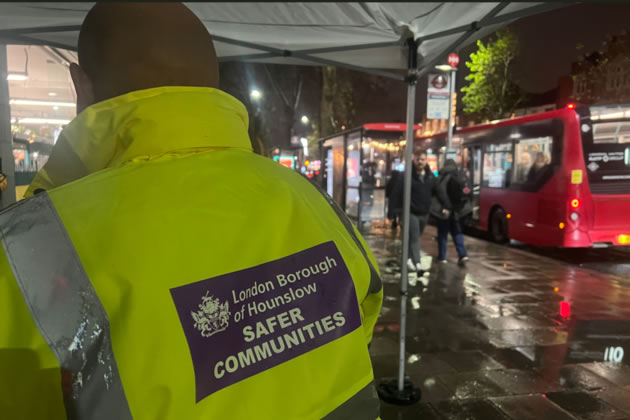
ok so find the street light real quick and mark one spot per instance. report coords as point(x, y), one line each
point(255, 94)
point(304, 119)
point(444, 67)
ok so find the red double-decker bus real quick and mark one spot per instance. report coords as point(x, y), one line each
point(560, 178)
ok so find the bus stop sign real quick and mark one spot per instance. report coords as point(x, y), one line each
point(453, 60)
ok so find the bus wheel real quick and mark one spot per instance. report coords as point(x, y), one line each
point(499, 226)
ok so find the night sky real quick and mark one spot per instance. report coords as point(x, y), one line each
point(548, 41)
point(547, 48)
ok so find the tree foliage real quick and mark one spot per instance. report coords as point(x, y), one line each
point(337, 101)
point(491, 92)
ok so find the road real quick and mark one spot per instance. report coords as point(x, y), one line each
point(614, 260)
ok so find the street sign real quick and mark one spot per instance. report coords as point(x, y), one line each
point(438, 84)
point(437, 96)
point(453, 60)
point(437, 107)
point(451, 154)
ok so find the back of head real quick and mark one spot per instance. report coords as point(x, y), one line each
point(449, 166)
point(124, 47)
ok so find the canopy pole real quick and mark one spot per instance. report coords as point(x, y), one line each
point(401, 391)
point(411, 109)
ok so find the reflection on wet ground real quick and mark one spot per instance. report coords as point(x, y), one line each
point(511, 336)
point(613, 260)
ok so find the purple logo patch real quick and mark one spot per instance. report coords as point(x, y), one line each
point(243, 323)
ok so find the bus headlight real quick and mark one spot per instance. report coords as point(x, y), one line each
point(574, 216)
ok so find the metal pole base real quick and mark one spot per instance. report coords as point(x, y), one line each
point(388, 392)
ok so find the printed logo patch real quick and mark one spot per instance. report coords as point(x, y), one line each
point(243, 323)
point(212, 316)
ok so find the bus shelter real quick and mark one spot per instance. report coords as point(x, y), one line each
point(356, 165)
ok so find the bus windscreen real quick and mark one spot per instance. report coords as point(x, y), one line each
point(606, 142)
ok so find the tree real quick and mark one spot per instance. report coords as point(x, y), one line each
point(287, 82)
point(337, 104)
point(491, 93)
point(275, 116)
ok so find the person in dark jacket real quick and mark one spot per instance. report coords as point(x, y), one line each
point(394, 206)
point(452, 205)
point(422, 184)
point(538, 168)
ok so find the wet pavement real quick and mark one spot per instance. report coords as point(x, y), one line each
point(613, 260)
point(513, 335)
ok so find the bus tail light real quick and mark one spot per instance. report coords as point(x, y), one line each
point(575, 203)
point(561, 225)
point(571, 106)
point(623, 239)
point(574, 216)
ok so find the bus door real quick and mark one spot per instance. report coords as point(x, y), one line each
point(472, 162)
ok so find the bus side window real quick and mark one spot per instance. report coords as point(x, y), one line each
point(523, 164)
point(532, 157)
point(497, 165)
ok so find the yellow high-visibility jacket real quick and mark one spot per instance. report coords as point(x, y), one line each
point(168, 272)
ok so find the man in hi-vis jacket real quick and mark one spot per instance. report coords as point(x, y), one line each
point(161, 269)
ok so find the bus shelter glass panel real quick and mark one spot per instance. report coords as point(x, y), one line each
point(377, 156)
point(329, 171)
point(353, 174)
point(334, 156)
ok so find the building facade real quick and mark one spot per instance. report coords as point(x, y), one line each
point(603, 77)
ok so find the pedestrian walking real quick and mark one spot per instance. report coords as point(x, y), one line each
point(394, 204)
point(450, 205)
point(422, 185)
point(121, 302)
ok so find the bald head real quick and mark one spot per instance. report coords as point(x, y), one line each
point(124, 47)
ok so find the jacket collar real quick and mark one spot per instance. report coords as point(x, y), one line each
point(141, 125)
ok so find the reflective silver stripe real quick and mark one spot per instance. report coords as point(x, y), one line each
point(376, 284)
point(65, 308)
point(364, 405)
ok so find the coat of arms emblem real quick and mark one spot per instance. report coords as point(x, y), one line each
point(212, 316)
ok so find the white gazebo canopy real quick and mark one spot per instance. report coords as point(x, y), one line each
point(363, 36)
